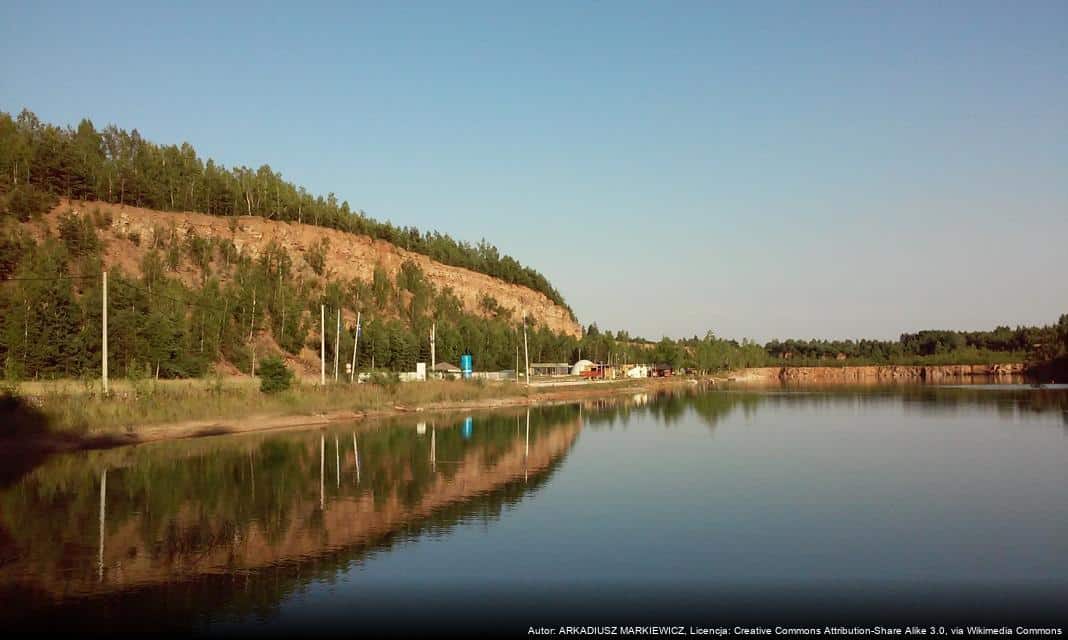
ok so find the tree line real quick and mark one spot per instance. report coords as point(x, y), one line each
point(239, 307)
point(39, 161)
point(243, 307)
point(1023, 342)
point(712, 353)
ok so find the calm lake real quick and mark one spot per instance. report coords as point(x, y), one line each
point(913, 505)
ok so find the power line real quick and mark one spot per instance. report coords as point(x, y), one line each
point(172, 299)
point(52, 279)
point(123, 283)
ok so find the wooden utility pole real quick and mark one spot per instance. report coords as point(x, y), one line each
point(355, 343)
point(433, 338)
point(337, 343)
point(104, 309)
point(517, 364)
point(322, 345)
point(252, 319)
point(251, 331)
point(356, 456)
point(526, 353)
point(282, 333)
point(103, 513)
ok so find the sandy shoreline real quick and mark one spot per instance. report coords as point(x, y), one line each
point(107, 438)
point(544, 394)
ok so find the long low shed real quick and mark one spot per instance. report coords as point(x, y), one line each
point(550, 369)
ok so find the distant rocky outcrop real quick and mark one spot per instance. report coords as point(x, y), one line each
point(880, 373)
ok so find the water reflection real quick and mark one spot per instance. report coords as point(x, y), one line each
point(712, 404)
point(185, 515)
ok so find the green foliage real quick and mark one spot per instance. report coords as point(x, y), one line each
point(214, 382)
point(388, 381)
point(315, 256)
point(79, 234)
point(491, 306)
point(40, 318)
point(9, 386)
point(380, 286)
point(928, 346)
point(102, 219)
point(39, 161)
point(13, 246)
point(25, 202)
point(275, 376)
point(173, 256)
point(411, 278)
point(199, 251)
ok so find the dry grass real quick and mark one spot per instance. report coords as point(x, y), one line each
point(74, 406)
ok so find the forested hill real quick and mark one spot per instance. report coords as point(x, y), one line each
point(189, 293)
point(117, 166)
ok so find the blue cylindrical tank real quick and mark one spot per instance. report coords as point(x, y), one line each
point(466, 365)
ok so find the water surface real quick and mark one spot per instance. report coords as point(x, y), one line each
point(919, 505)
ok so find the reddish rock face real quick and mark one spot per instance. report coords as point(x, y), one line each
point(347, 256)
point(887, 373)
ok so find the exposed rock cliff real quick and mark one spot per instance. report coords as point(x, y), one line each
point(347, 256)
point(880, 373)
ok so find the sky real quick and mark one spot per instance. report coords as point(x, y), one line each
point(757, 169)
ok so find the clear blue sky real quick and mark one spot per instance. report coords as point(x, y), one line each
point(761, 169)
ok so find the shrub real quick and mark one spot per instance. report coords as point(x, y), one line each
point(215, 383)
point(275, 376)
point(315, 256)
point(78, 234)
point(387, 380)
point(25, 202)
point(101, 219)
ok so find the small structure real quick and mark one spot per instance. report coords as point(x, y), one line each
point(580, 366)
point(446, 370)
point(599, 371)
point(419, 375)
point(638, 371)
point(502, 375)
point(662, 370)
point(550, 369)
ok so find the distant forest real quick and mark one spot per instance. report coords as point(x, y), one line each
point(38, 160)
point(929, 347)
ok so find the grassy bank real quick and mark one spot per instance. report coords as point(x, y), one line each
point(72, 408)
